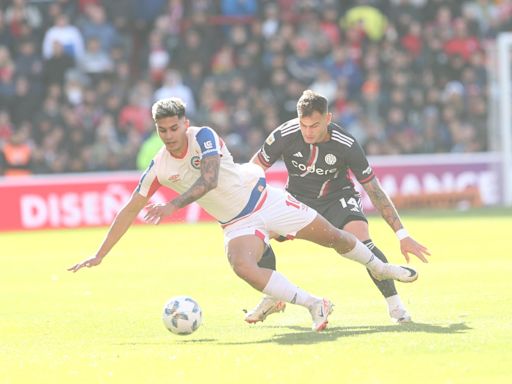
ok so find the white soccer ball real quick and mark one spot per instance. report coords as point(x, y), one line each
point(182, 315)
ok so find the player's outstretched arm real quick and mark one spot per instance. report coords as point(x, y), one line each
point(387, 210)
point(120, 225)
point(208, 180)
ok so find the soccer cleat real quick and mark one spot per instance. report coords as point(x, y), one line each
point(400, 315)
point(396, 272)
point(320, 310)
point(267, 306)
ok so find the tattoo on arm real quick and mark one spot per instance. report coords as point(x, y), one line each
point(206, 182)
point(383, 203)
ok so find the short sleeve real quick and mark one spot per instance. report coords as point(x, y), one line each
point(148, 182)
point(208, 141)
point(275, 144)
point(358, 164)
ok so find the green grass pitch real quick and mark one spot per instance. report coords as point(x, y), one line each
point(103, 325)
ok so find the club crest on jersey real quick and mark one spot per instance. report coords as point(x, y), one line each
point(330, 159)
point(270, 139)
point(195, 162)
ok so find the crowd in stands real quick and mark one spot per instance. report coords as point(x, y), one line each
point(78, 77)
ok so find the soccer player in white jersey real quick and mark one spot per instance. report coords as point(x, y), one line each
point(195, 162)
point(318, 155)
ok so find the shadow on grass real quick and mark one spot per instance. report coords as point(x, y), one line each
point(180, 339)
point(303, 335)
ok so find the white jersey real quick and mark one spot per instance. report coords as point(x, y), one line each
point(239, 188)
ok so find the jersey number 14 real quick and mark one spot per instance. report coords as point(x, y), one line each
point(352, 202)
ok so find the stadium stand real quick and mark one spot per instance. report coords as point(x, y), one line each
point(77, 78)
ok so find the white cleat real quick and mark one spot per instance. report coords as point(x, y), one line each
point(267, 306)
point(320, 311)
point(400, 315)
point(396, 272)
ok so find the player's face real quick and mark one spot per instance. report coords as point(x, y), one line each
point(173, 133)
point(314, 127)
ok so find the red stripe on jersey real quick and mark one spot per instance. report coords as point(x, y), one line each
point(367, 179)
point(325, 189)
point(263, 161)
point(260, 234)
point(312, 157)
point(154, 187)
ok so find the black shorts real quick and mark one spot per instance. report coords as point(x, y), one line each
point(339, 212)
point(342, 211)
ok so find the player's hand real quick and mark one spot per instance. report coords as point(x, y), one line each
point(91, 262)
point(156, 212)
point(409, 245)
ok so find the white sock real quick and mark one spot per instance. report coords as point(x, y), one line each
point(363, 255)
point(394, 302)
point(281, 288)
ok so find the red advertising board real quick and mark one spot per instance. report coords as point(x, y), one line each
point(71, 201)
point(74, 201)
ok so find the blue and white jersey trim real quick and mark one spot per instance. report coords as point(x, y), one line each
point(144, 175)
point(256, 193)
point(207, 142)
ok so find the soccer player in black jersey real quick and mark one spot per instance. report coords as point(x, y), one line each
point(318, 155)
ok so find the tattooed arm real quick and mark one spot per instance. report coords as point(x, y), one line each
point(385, 206)
point(383, 203)
point(206, 182)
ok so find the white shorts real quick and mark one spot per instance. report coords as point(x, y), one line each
point(280, 213)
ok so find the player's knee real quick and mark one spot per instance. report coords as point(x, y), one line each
point(242, 266)
point(344, 241)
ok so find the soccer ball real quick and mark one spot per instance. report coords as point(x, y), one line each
point(182, 315)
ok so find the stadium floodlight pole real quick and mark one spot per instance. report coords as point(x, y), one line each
point(505, 88)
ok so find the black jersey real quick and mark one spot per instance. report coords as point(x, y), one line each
point(317, 173)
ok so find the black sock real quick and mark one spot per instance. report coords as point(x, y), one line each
point(386, 287)
point(268, 260)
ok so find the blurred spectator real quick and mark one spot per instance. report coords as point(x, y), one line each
point(16, 153)
point(239, 8)
point(136, 113)
point(367, 20)
point(19, 13)
point(173, 87)
point(95, 62)
point(7, 76)
point(6, 126)
point(94, 25)
point(67, 35)
point(158, 57)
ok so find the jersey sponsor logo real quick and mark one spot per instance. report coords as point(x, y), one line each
point(208, 144)
point(195, 162)
point(313, 169)
point(270, 139)
point(367, 171)
point(330, 159)
point(298, 154)
point(174, 178)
